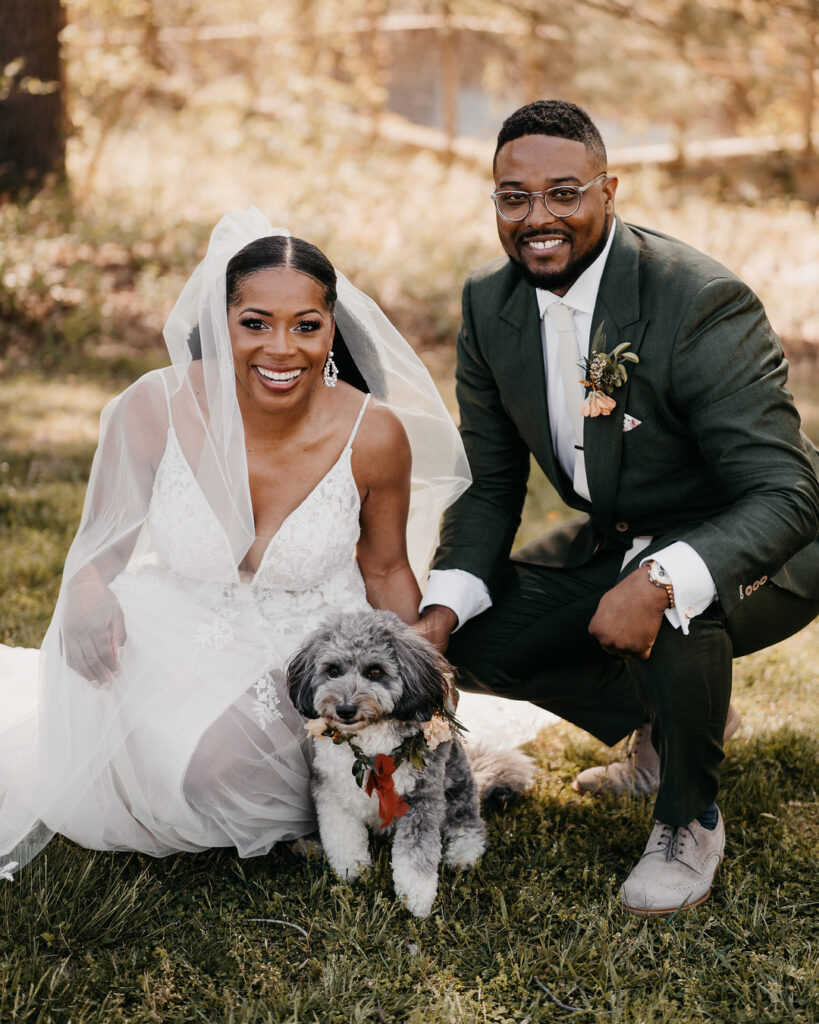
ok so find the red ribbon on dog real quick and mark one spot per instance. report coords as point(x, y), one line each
point(390, 802)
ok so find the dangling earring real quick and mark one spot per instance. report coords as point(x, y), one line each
point(330, 371)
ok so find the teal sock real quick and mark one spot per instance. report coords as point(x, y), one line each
point(708, 818)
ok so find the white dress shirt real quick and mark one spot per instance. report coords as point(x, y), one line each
point(694, 589)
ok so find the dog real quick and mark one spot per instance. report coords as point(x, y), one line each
point(387, 755)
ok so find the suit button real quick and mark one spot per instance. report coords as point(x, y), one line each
point(621, 527)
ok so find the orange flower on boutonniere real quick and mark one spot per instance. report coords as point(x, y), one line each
point(598, 403)
point(604, 371)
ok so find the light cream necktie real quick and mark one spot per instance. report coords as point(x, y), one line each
point(573, 390)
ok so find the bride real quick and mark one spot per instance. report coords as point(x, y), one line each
point(237, 497)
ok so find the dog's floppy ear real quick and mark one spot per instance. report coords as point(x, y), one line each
point(424, 675)
point(300, 675)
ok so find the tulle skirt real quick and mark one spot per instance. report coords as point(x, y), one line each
point(194, 745)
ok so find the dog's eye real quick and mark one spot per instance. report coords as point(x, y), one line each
point(374, 672)
point(334, 671)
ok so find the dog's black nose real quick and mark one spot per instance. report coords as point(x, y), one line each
point(346, 712)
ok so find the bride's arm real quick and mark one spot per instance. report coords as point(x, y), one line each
point(92, 628)
point(382, 462)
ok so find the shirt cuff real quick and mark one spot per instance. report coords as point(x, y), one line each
point(465, 594)
point(693, 584)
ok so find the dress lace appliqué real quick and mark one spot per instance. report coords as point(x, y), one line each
point(266, 702)
point(185, 532)
point(216, 634)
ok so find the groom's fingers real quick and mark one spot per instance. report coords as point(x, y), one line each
point(629, 616)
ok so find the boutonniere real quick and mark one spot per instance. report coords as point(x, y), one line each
point(604, 371)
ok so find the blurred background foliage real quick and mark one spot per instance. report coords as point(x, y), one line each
point(128, 126)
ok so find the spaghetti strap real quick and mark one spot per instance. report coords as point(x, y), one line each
point(357, 422)
point(167, 396)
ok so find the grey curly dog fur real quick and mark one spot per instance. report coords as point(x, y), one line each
point(375, 680)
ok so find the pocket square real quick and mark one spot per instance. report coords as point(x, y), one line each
point(630, 422)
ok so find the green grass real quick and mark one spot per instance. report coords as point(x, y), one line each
point(91, 937)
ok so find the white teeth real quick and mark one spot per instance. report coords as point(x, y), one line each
point(284, 377)
point(545, 245)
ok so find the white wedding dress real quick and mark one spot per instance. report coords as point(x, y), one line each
point(199, 744)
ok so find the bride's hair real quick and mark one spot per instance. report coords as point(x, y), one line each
point(280, 251)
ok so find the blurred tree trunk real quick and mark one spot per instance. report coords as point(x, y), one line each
point(32, 117)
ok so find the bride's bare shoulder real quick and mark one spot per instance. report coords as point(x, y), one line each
point(141, 399)
point(381, 449)
point(168, 387)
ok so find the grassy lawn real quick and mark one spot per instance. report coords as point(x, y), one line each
point(117, 937)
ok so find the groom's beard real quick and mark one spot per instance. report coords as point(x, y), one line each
point(551, 280)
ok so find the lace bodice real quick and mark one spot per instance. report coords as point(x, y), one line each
point(316, 540)
point(184, 531)
point(308, 565)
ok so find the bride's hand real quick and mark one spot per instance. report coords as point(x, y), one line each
point(93, 630)
point(436, 625)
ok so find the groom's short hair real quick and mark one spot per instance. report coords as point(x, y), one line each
point(553, 117)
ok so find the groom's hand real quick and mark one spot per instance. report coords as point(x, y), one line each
point(436, 625)
point(629, 616)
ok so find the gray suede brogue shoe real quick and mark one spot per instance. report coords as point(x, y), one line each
point(676, 870)
point(638, 774)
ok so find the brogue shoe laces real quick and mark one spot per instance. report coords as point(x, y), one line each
point(673, 840)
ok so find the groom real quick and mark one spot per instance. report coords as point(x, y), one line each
point(698, 492)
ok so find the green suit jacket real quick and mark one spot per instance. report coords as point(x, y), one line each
point(718, 460)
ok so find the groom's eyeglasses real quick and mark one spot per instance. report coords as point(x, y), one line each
point(560, 201)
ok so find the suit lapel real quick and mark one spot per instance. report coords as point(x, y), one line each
point(520, 313)
point(618, 310)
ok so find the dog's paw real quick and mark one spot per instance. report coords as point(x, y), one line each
point(416, 891)
point(308, 847)
point(465, 848)
point(349, 871)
